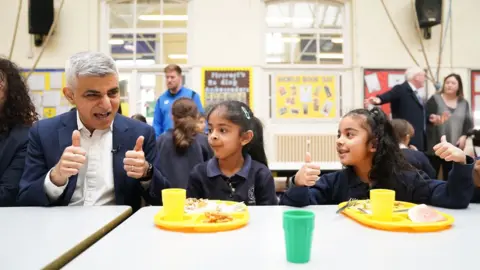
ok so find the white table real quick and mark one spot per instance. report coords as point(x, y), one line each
point(38, 237)
point(295, 166)
point(339, 243)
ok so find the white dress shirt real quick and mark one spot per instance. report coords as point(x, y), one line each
point(95, 184)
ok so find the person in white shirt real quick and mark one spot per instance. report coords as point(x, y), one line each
point(91, 155)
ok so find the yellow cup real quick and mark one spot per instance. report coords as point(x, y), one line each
point(174, 203)
point(381, 201)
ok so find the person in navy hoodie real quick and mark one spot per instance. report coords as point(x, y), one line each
point(366, 145)
point(239, 171)
point(403, 132)
point(182, 148)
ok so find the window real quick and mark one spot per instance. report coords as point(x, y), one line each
point(147, 32)
point(305, 32)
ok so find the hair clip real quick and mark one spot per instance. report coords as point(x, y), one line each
point(247, 115)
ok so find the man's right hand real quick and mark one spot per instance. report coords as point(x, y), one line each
point(372, 101)
point(308, 174)
point(72, 160)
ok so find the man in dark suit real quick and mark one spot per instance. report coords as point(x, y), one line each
point(91, 155)
point(407, 103)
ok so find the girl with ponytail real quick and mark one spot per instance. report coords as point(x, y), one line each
point(370, 153)
point(181, 148)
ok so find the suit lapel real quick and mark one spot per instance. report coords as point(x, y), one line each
point(120, 144)
point(69, 121)
point(414, 96)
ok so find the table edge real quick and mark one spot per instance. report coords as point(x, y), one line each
point(76, 250)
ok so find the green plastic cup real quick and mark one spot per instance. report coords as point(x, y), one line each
point(298, 226)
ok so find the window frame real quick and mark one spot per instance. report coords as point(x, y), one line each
point(105, 33)
point(345, 31)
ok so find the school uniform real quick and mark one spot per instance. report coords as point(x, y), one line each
point(411, 186)
point(176, 166)
point(253, 184)
point(476, 195)
point(420, 161)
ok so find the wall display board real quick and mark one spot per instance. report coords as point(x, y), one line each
point(305, 96)
point(231, 83)
point(379, 81)
point(46, 91)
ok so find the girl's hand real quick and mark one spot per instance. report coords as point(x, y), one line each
point(308, 174)
point(449, 152)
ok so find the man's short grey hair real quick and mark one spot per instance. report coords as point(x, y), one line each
point(88, 64)
point(412, 72)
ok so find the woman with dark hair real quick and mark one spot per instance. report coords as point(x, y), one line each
point(17, 114)
point(448, 114)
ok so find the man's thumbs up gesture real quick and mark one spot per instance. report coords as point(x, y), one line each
point(134, 162)
point(70, 162)
point(308, 174)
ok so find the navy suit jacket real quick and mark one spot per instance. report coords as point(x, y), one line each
point(48, 139)
point(13, 149)
point(405, 105)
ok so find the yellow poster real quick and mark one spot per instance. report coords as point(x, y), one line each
point(305, 97)
point(49, 112)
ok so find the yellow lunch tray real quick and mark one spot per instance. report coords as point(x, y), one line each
point(194, 222)
point(400, 221)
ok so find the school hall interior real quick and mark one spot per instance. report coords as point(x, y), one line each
point(300, 66)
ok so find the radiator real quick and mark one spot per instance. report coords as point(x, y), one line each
point(292, 148)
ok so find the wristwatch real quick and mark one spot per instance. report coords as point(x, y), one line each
point(149, 171)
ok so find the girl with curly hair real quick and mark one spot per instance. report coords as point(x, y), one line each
point(370, 152)
point(17, 114)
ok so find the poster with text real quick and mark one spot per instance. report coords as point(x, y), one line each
point(305, 96)
point(221, 84)
point(475, 95)
point(379, 81)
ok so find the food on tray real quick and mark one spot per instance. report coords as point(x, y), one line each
point(193, 203)
point(217, 217)
point(424, 214)
point(203, 205)
point(365, 205)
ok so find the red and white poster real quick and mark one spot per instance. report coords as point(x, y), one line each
point(379, 81)
point(475, 94)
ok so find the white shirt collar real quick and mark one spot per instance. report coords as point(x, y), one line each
point(412, 86)
point(403, 146)
point(81, 126)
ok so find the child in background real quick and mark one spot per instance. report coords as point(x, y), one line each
point(182, 148)
point(403, 132)
point(239, 170)
point(201, 123)
point(367, 146)
point(139, 117)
